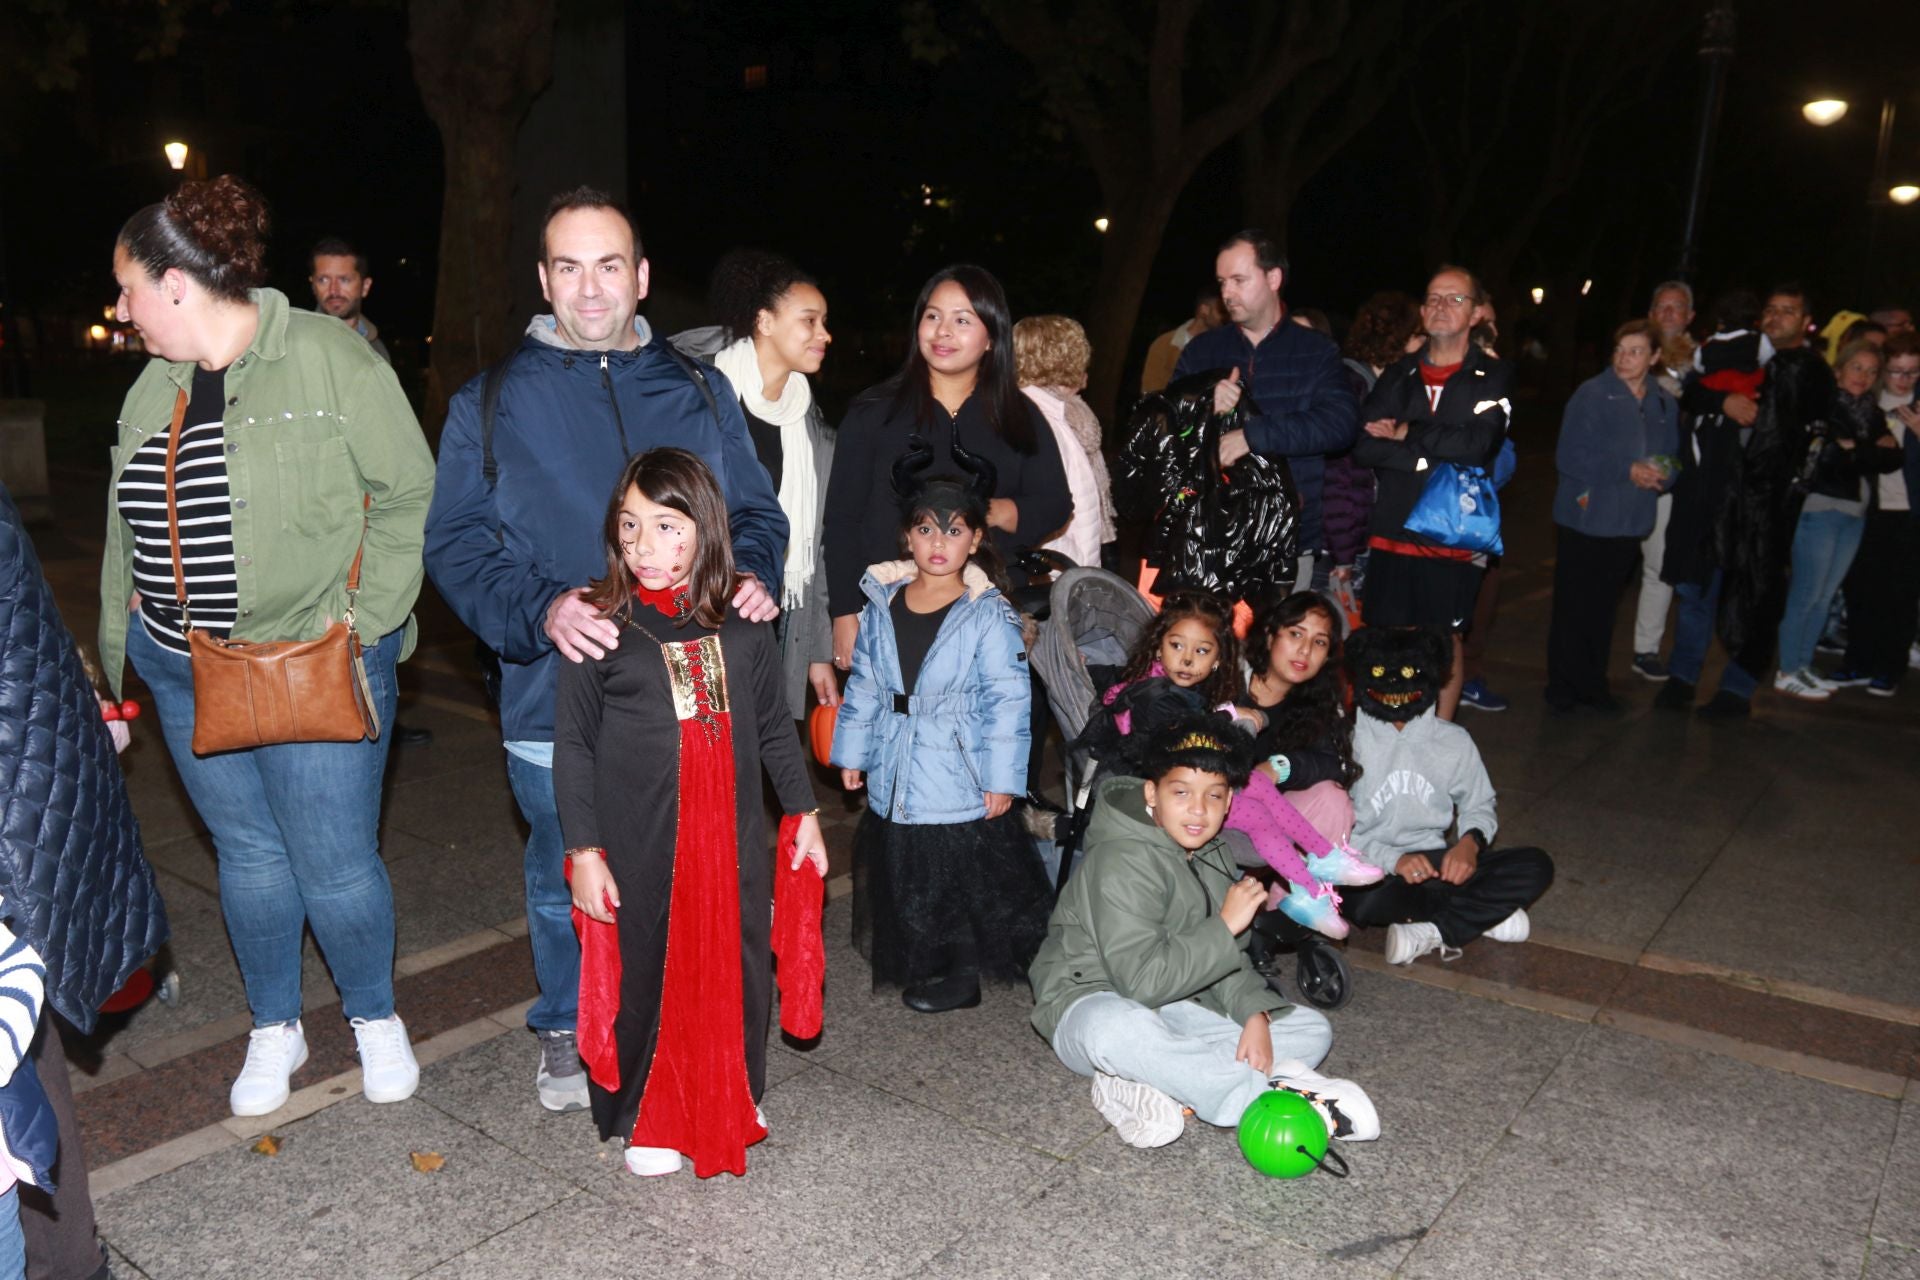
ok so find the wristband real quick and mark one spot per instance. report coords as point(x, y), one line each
point(1282, 767)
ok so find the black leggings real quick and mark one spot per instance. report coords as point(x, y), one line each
point(1505, 881)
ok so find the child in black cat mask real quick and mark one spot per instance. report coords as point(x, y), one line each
point(1419, 777)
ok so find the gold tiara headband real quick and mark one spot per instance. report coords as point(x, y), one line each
point(1200, 741)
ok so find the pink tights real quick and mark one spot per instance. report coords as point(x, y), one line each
point(1275, 826)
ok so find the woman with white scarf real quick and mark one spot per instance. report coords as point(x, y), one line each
point(772, 334)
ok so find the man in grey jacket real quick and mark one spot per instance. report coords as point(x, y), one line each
point(1419, 777)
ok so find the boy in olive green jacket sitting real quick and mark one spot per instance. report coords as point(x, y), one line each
point(1144, 983)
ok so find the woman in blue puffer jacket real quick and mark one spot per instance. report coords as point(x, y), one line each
point(946, 887)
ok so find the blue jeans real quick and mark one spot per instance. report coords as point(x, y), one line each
point(1824, 543)
point(556, 951)
point(13, 1245)
point(296, 828)
point(1693, 632)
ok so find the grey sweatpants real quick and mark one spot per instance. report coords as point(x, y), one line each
point(1183, 1050)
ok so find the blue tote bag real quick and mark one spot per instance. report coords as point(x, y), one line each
point(1459, 509)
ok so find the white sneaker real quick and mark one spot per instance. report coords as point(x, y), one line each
point(273, 1054)
point(388, 1071)
point(1143, 1116)
point(1513, 929)
point(1408, 942)
point(653, 1162)
point(1800, 684)
point(1344, 1105)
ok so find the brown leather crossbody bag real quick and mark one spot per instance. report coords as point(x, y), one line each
point(257, 694)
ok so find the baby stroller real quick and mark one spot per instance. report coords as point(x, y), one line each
point(1093, 621)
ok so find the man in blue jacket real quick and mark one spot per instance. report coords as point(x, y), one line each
point(514, 533)
point(1303, 406)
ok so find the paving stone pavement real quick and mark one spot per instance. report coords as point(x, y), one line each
point(1701, 1066)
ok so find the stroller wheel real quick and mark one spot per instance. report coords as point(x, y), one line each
point(1322, 976)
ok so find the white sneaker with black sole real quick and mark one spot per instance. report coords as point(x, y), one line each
point(561, 1080)
point(273, 1054)
point(1344, 1105)
point(388, 1070)
point(1143, 1116)
point(1514, 928)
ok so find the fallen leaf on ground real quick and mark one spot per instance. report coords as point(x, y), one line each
point(267, 1146)
point(427, 1161)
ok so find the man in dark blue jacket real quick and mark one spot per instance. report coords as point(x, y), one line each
point(1304, 407)
point(514, 533)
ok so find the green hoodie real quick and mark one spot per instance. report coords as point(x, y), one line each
point(1141, 917)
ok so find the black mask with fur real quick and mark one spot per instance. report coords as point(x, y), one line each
point(1397, 672)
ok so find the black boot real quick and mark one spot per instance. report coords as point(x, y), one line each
point(1725, 706)
point(938, 995)
point(1674, 695)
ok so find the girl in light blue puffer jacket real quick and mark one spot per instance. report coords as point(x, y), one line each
point(947, 887)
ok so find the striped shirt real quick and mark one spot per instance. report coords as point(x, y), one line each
point(206, 521)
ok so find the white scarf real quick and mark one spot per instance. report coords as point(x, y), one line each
point(799, 492)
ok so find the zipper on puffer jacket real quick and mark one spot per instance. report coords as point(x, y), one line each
point(967, 760)
point(606, 380)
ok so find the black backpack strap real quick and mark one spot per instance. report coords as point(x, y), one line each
point(489, 407)
point(693, 371)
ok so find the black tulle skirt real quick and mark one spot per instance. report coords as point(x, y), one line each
point(935, 900)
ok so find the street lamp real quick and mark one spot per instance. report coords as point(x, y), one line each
point(1101, 225)
point(1905, 193)
point(1824, 111)
point(176, 155)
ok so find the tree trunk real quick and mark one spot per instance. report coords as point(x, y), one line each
point(479, 65)
point(1131, 245)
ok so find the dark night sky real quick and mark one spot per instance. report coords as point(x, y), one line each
point(318, 108)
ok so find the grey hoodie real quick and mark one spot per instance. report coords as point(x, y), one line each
point(1415, 783)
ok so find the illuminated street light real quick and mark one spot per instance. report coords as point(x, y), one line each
point(1539, 295)
point(1905, 193)
point(176, 155)
point(1100, 225)
point(1824, 111)
point(98, 333)
point(1586, 288)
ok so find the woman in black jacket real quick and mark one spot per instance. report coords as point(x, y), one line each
point(958, 381)
point(1849, 447)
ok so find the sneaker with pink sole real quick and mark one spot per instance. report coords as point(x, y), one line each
point(1319, 912)
point(1343, 865)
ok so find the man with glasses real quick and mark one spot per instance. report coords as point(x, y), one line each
point(1303, 406)
point(1672, 315)
point(1448, 402)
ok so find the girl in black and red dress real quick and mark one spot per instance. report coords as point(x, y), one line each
point(675, 722)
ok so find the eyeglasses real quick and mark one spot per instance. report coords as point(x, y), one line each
point(1902, 373)
point(1448, 299)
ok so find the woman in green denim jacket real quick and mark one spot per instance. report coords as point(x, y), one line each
point(294, 427)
